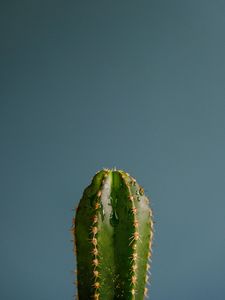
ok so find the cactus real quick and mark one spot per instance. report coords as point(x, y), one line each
point(113, 230)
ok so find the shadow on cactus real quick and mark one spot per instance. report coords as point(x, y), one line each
point(113, 230)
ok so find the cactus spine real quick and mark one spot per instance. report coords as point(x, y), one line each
point(113, 230)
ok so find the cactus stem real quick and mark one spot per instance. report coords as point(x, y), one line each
point(113, 228)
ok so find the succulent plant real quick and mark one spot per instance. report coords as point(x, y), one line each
point(113, 231)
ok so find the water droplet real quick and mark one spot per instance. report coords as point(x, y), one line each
point(102, 213)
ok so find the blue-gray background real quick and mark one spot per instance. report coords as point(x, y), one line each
point(134, 84)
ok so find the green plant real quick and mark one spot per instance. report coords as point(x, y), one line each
point(113, 230)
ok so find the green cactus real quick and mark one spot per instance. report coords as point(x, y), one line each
point(113, 230)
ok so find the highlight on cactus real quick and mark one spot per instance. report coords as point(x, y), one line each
point(113, 231)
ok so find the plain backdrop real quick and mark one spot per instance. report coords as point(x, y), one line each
point(137, 85)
